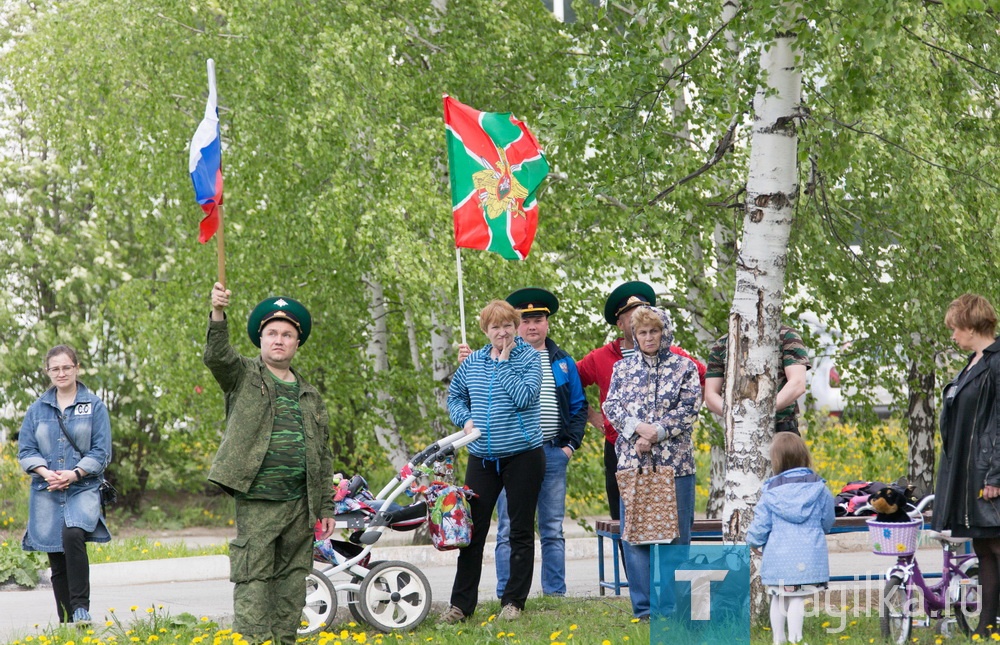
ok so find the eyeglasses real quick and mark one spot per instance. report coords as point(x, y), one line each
point(61, 369)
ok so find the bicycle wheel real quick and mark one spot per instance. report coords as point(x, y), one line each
point(965, 599)
point(894, 612)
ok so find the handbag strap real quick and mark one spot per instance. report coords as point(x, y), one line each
point(62, 426)
point(646, 459)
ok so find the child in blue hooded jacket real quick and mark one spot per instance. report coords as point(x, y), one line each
point(790, 522)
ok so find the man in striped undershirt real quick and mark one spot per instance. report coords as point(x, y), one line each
point(563, 419)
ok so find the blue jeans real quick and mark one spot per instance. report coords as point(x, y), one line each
point(551, 512)
point(637, 556)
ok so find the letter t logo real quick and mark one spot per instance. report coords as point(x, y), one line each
point(701, 589)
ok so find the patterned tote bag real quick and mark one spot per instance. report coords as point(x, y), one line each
point(650, 497)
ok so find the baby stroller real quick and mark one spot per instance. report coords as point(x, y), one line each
point(388, 595)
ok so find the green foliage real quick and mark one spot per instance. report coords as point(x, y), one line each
point(336, 175)
point(19, 566)
point(142, 548)
point(155, 623)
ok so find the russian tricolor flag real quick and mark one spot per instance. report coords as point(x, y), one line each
point(205, 162)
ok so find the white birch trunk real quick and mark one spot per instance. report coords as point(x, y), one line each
point(443, 357)
point(386, 433)
point(921, 427)
point(753, 363)
point(411, 337)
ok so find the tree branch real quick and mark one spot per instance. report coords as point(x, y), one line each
point(951, 53)
point(901, 148)
point(195, 29)
point(724, 144)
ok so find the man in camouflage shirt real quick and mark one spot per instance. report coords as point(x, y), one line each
point(275, 460)
point(791, 380)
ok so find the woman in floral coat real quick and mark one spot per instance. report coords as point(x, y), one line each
point(653, 402)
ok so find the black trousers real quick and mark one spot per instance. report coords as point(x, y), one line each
point(614, 496)
point(521, 476)
point(71, 574)
point(610, 481)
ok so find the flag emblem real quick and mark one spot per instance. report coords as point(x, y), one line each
point(495, 166)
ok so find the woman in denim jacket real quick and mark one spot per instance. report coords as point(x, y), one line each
point(64, 507)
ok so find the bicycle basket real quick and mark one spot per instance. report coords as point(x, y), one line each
point(894, 538)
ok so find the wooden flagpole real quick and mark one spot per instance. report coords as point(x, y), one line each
point(461, 292)
point(220, 245)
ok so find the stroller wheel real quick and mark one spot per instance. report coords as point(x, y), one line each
point(354, 598)
point(394, 595)
point(321, 604)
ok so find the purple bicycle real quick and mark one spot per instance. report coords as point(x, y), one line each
point(907, 597)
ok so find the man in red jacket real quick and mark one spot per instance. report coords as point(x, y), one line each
point(596, 367)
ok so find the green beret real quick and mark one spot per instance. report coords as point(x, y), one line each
point(627, 296)
point(279, 308)
point(532, 300)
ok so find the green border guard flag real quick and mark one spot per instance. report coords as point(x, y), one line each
point(495, 166)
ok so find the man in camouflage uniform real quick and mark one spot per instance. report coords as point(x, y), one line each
point(275, 460)
point(791, 380)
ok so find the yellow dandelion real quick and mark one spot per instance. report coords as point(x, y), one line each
point(134, 608)
point(501, 634)
point(554, 635)
point(995, 636)
point(605, 642)
point(572, 628)
point(150, 610)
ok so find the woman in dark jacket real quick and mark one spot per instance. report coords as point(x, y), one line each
point(966, 499)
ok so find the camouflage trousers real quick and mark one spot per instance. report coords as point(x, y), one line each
point(268, 561)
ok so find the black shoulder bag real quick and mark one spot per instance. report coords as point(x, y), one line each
point(108, 493)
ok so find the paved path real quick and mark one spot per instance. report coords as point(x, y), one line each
point(200, 585)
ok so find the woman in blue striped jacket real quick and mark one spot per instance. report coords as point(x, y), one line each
point(496, 390)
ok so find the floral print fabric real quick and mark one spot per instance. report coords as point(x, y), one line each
point(662, 390)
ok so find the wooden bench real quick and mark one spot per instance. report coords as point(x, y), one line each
point(705, 530)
